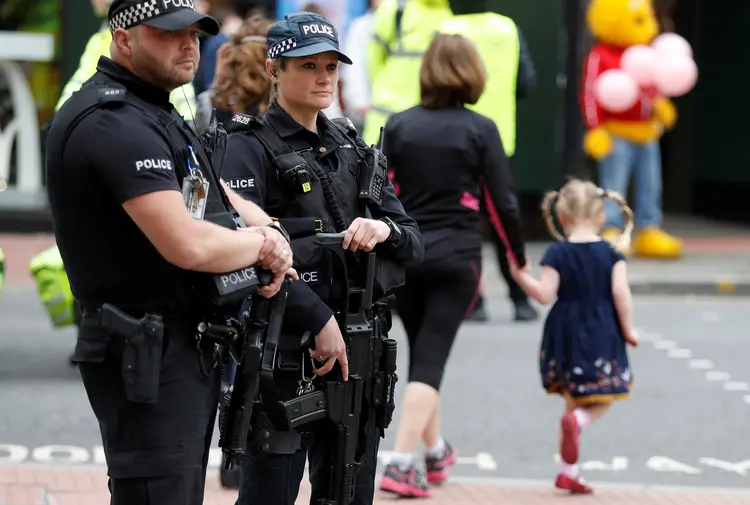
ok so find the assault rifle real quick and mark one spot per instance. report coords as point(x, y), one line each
point(245, 343)
point(363, 406)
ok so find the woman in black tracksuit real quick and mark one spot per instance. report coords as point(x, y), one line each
point(444, 159)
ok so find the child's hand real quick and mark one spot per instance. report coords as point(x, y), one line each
point(631, 338)
point(515, 272)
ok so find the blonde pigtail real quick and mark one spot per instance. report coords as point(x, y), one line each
point(547, 209)
point(623, 241)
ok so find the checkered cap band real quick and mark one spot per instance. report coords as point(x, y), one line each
point(135, 14)
point(281, 47)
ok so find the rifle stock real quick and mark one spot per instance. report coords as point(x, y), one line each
point(264, 318)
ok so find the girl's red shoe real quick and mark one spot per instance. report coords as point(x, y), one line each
point(575, 486)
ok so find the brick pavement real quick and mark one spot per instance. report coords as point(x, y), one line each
point(35, 485)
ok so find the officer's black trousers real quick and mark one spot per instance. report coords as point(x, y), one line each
point(274, 479)
point(157, 454)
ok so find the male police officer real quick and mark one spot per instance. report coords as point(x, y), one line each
point(306, 170)
point(144, 227)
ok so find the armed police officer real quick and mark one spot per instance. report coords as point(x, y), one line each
point(154, 245)
point(306, 171)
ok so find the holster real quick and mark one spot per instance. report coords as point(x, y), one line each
point(266, 439)
point(142, 353)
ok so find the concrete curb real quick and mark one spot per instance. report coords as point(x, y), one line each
point(704, 287)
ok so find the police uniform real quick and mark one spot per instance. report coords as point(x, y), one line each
point(154, 391)
point(310, 181)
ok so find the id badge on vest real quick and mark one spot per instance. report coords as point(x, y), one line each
point(195, 189)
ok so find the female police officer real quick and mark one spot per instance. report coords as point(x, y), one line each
point(303, 59)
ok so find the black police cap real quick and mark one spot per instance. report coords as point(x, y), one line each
point(303, 34)
point(171, 15)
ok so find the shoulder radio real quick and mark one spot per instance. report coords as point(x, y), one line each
point(373, 173)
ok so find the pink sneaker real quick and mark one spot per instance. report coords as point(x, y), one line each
point(437, 468)
point(406, 484)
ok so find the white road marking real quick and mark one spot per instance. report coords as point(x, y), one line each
point(680, 353)
point(701, 364)
point(664, 464)
point(736, 386)
point(664, 344)
point(617, 464)
point(675, 352)
point(717, 376)
point(740, 468)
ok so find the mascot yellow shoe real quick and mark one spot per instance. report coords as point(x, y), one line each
point(655, 243)
point(627, 140)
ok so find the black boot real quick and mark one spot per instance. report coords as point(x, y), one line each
point(478, 314)
point(524, 310)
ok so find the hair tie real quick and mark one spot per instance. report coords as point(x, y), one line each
point(253, 38)
point(601, 192)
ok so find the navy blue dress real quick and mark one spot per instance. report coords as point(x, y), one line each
point(583, 351)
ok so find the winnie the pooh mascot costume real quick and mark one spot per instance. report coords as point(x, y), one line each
point(626, 144)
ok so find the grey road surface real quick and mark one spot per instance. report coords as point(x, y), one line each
point(686, 423)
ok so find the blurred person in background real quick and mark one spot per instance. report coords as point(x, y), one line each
point(355, 90)
point(230, 14)
point(402, 32)
point(512, 76)
point(241, 85)
point(444, 158)
point(183, 98)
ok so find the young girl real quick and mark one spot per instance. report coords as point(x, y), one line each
point(583, 353)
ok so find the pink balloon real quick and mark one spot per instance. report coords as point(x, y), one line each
point(676, 76)
point(640, 62)
point(616, 91)
point(671, 45)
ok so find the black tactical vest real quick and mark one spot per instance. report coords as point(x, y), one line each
point(206, 289)
point(319, 200)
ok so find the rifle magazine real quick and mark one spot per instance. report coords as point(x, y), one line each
point(306, 409)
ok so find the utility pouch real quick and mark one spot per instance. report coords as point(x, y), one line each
point(388, 275)
point(294, 172)
point(142, 355)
